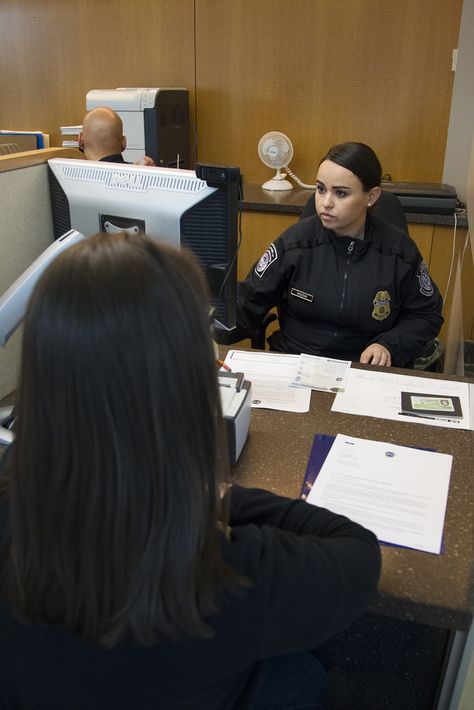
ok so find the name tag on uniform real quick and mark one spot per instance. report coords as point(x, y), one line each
point(302, 294)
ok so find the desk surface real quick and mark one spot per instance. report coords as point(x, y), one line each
point(255, 199)
point(417, 586)
point(437, 590)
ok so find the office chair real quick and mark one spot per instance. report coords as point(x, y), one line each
point(389, 208)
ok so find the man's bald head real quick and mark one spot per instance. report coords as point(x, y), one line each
point(102, 134)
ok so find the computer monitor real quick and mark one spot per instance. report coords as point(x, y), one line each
point(197, 210)
point(14, 301)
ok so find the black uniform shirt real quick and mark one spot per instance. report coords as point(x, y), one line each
point(336, 295)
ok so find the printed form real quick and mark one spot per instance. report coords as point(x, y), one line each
point(378, 394)
point(398, 492)
point(271, 375)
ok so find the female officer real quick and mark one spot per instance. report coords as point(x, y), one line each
point(346, 284)
point(126, 580)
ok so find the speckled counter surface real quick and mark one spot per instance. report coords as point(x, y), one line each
point(415, 586)
point(396, 655)
point(437, 590)
point(255, 199)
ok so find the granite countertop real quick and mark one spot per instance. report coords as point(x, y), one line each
point(255, 199)
point(417, 586)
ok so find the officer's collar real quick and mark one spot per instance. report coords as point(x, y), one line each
point(364, 236)
point(360, 245)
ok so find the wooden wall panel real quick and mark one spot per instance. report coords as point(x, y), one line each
point(317, 70)
point(53, 52)
point(324, 72)
point(321, 71)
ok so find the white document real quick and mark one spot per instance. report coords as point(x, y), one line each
point(271, 375)
point(398, 492)
point(378, 394)
point(322, 373)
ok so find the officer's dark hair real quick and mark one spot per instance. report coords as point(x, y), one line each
point(360, 159)
point(113, 488)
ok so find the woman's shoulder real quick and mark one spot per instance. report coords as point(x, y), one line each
point(391, 239)
point(307, 233)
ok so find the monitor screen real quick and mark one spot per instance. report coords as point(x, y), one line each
point(180, 207)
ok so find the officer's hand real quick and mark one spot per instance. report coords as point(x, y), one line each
point(376, 354)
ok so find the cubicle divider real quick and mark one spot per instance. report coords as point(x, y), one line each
point(26, 230)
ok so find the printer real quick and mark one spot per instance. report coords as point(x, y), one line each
point(427, 197)
point(235, 395)
point(155, 122)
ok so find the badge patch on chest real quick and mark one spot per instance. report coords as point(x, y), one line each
point(298, 293)
point(426, 287)
point(266, 260)
point(381, 305)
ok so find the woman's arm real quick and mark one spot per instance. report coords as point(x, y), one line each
point(263, 288)
point(315, 571)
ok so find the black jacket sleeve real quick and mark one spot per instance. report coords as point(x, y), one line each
point(317, 571)
point(420, 319)
point(263, 288)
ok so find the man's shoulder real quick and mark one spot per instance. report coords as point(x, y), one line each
point(116, 158)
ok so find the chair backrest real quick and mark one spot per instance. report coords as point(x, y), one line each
point(388, 207)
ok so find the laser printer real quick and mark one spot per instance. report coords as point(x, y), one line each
point(235, 395)
point(427, 197)
point(155, 122)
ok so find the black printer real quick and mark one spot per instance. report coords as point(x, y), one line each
point(427, 197)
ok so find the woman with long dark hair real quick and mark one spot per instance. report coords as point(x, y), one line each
point(131, 575)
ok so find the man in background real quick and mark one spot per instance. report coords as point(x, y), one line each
point(102, 137)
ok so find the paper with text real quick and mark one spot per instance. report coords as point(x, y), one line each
point(371, 393)
point(398, 492)
point(321, 373)
point(271, 375)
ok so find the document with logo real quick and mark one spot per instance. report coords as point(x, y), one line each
point(398, 492)
point(271, 375)
point(321, 373)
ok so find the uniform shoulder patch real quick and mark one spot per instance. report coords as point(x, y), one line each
point(266, 260)
point(426, 287)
